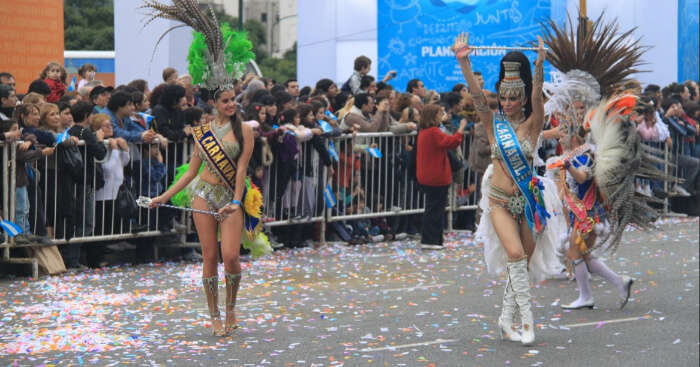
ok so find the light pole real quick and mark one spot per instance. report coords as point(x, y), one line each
point(240, 15)
point(272, 30)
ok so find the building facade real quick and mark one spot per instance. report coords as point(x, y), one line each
point(279, 17)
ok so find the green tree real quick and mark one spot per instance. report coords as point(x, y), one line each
point(88, 24)
point(281, 69)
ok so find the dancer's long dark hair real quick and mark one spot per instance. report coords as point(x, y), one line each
point(525, 75)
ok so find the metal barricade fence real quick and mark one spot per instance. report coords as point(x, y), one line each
point(363, 185)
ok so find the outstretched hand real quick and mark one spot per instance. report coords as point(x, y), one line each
point(541, 51)
point(461, 46)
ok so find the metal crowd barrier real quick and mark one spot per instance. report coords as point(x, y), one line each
point(293, 190)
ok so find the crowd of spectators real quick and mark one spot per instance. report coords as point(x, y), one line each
point(131, 138)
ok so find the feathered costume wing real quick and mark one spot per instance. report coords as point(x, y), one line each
point(620, 158)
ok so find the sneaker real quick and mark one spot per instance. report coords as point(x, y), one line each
point(275, 244)
point(377, 238)
point(681, 191)
point(647, 191)
point(426, 246)
point(192, 256)
point(400, 236)
point(40, 239)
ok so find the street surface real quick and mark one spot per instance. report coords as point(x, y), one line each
point(376, 305)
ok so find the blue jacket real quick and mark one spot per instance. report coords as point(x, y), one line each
point(152, 175)
point(127, 129)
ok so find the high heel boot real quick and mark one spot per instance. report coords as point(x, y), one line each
point(520, 283)
point(211, 290)
point(233, 281)
point(505, 321)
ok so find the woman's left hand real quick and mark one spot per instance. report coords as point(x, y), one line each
point(229, 209)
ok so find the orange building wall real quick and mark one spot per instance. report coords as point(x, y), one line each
point(31, 35)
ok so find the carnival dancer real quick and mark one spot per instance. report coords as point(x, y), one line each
point(224, 148)
point(603, 152)
point(521, 220)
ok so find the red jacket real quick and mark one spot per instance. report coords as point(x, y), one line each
point(432, 164)
point(58, 89)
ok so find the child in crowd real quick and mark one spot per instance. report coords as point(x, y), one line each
point(54, 74)
point(87, 73)
point(26, 152)
point(292, 134)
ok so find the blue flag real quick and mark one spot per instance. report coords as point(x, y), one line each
point(147, 118)
point(71, 87)
point(329, 197)
point(325, 126)
point(10, 228)
point(374, 152)
point(332, 151)
point(329, 114)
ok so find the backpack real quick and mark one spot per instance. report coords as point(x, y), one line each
point(346, 86)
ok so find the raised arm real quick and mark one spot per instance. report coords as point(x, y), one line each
point(537, 117)
point(462, 50)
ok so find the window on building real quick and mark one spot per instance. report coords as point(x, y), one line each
point(263, 17)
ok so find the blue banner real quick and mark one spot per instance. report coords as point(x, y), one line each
point(414, 37)
point(688, 34)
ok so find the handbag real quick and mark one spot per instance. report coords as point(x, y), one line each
point(125, 203)
point(71, 160)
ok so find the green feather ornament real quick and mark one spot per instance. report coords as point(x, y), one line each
point(237, 53)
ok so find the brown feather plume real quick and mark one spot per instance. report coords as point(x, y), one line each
point(600, 50)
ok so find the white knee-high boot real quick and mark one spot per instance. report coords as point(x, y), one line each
point(517, 271)
point(505, 321)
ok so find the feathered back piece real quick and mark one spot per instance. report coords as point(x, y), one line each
point(600, 51)
point(189, 13)
point(620, 158)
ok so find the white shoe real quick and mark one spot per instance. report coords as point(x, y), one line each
point(579, 304)
point(628, 290)
point(400, 236)
point(681, 191)
point(426, 246)
point(377, 238)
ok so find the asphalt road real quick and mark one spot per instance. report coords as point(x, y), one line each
point(377, 305)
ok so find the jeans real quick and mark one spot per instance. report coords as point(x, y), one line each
point(690, 166)
point(22, 209)
point(434, 215)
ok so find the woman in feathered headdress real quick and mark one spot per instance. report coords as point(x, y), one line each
point(223, 148)
point(521, 222)
point(603, 152)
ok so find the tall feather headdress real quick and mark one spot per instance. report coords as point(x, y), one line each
point(224, 56)
point(600, 50)
point(593, 58)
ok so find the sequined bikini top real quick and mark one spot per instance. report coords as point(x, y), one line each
point(526, 146)
point(231, 148)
